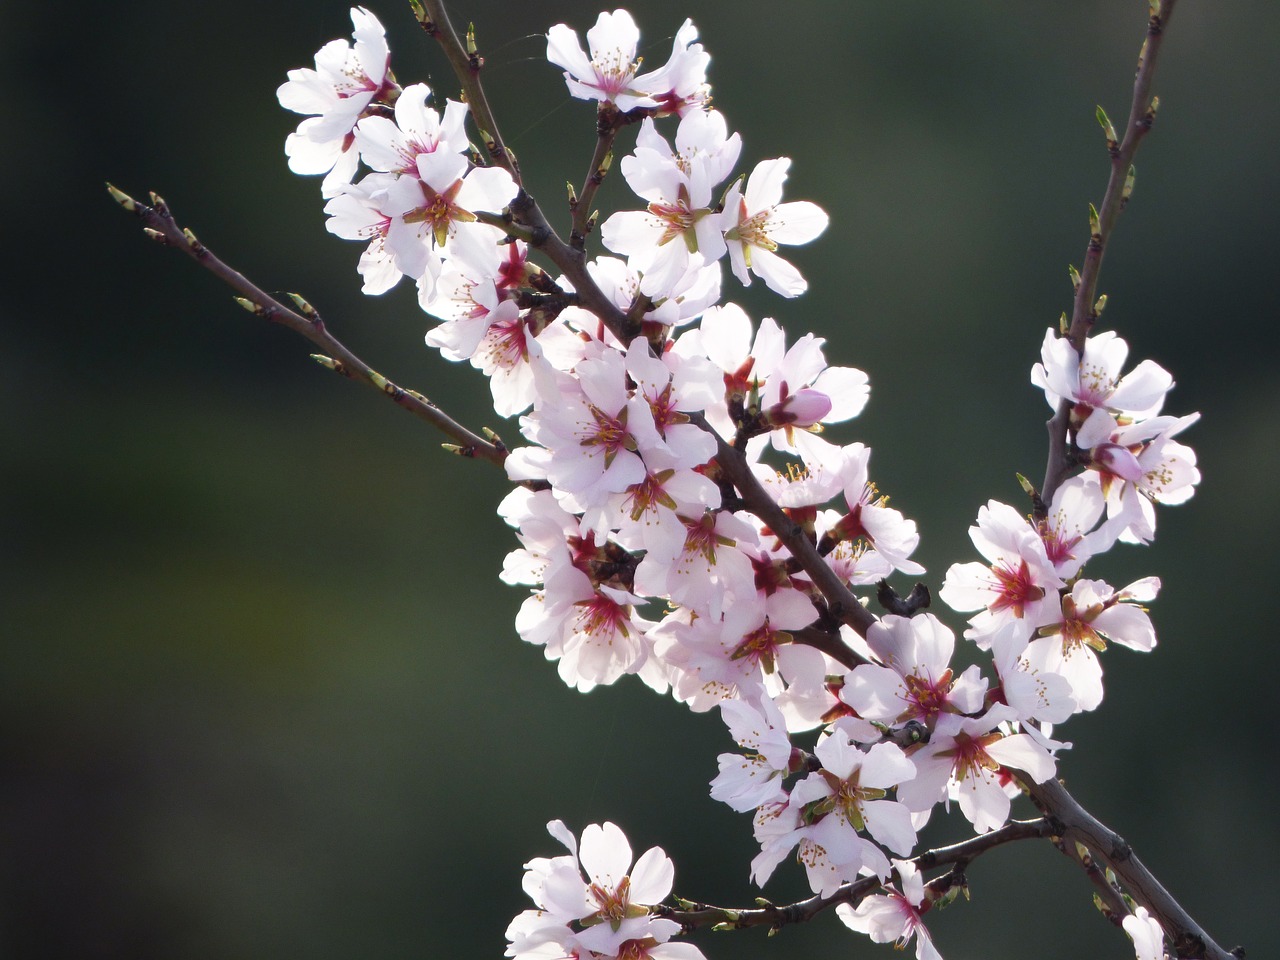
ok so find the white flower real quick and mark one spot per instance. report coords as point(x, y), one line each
point(896, 916)
point(609, 73)
point(751, 781)
point(346, 81)
point(1020, 584)
point(1093, 384)
point(755, 222)
point(1146, 933)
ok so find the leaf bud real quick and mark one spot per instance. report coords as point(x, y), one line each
point(122, 198)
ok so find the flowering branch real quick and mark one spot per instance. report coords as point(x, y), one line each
point(467, 64)
point(1076, 824)
point(1102, 221)
point(654, 415)
point(959, 855)
point(160, 225)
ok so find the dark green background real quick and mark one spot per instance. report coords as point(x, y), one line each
point(260, 693)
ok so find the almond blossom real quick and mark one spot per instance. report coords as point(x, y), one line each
point(895, 916)
point(1094, 386)
point(609, 73)
point(1019, 585)
point(346, 81)
point(970, 759)
point(755, 222)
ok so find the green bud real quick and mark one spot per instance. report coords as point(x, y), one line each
point(1075, 276)
point(249, 305)
point(327, 362)
point(1094, 229)
point(305, 308)
point(122, 198)
point(1108, 130)
point(1127, 192)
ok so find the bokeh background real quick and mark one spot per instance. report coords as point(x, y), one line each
point(260, 693)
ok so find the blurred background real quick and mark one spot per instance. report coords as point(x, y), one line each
point(260, 693)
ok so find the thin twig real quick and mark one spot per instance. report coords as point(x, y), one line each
point(160, 225)
point(774, 917)
point(609, 120)
point(1083, 311)
point(467, 65)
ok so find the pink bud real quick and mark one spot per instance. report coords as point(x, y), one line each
point(802, 409)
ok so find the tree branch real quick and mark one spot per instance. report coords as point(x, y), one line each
point(1084, 310)
point(467, 64)
point(161, 226)
point(572, 261)
point(1077, 824)
point(696, 915)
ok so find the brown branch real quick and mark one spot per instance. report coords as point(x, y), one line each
point(570, 259)
point(160, 225)
point(1084, 311)
point(609, 120)
point(696, 915)
point(467, 64)
point(1077, 824)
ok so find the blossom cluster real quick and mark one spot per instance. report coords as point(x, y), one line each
point(637, 547)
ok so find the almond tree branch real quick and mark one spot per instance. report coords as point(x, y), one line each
point(467, 64)
point(529, 217)
point(1076, 824)
point(161, 226)
point(694, 915)
point(1084, 311)
point(609, 121)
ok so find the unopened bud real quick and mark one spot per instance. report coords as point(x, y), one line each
point(1108, 130)
point(156, 235)
point(327, 362)
point(1099, 305)
point(804, 408)
point(306, 309)
point(122, 198)
point(1127, 191)
point(249, 305)
point(1094, 229)
point(1064, 325)
point(1075, 276)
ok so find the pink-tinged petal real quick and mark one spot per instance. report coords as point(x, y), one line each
point(652, 877)
point(885, 765)
point(1141, 393)
point(1126, 625)
point(764, 186)
point(1020, 752)
point(848, 389)
point(1097, 428)
point(889, 822)
point(779, 275)
point(487, 188)
point(967, 586)
point(605, 854)
point(564, 49)
point(796, 222)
